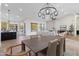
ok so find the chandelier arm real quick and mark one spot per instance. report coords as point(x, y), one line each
point(48, 8)
point(55, 12)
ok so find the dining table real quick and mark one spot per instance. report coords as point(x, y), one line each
point(38, 44)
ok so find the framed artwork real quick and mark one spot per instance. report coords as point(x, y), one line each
point(34, 26)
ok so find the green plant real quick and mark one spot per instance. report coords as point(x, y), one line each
point(71, 28)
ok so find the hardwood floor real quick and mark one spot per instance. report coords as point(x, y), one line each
point(72, 37)
point(72, 45)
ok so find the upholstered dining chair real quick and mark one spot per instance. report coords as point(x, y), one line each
point(61, 46)
point(9, 51)
point(52, 48)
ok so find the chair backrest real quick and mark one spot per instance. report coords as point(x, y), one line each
point(14, 50)
point(61, 47)
point(52, 47)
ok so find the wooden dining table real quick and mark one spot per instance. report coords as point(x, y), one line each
point(38, 44)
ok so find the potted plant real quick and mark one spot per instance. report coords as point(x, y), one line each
point(71, 28)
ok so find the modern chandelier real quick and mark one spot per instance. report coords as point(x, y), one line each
point(49, 10)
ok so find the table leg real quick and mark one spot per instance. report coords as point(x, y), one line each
point(64, 45)
point(23, 46)
point(36, 54)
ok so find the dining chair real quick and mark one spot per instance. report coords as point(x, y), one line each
point(52, 48)
point(10, 50)
point(61, 46)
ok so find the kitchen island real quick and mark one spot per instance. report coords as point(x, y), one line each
point(8, 35)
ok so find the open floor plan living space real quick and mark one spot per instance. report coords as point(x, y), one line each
point(39, 29)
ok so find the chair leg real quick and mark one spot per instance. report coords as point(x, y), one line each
point(11, 50)
point(29, 53)
point(36, 54)
point(64, 46)
point(23, 46)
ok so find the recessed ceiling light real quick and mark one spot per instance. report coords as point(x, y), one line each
point(62, 10)
point(20, 9)
point(6, 5)
point(6, 14)
point(17, 16)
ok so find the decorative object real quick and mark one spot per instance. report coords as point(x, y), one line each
point(34, 26)
point(71, 29)
point(63, 28)
point(48, 10)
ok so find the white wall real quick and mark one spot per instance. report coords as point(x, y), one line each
point(0, 32)
point(28, 26)
point(77, 22)
point(66, 20)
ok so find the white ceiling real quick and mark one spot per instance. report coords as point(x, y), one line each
point(30, 10)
